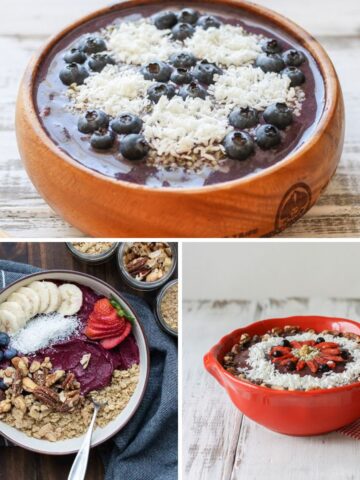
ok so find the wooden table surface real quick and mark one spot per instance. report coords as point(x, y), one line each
point(219, 442)
point(28, 465)
point(26, 25)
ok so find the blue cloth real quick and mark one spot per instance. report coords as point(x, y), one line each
point(146, 449)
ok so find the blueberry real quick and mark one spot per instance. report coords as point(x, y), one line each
point(182, 31)
point(75, 56)
point(98, 61)
point(324, 368)
point(93, 44)
point(293, 58)
point(157, 90)
point(127, 123)
point(204, 72)
point(345, 354)
point(277, 353)
point(270, 62)
point(4, 339)
point(270, 45)
point(164, 20)
point(193, 90)
point(320, 340)
point(238, 145)
point(278, 114)
point(291, 366)
point(188, 15)
point(10, 353)
point(102, 139)
point(3, 385)
point(295, 74)
point(92, 120)
point(73, 73)
point(182, 60)
point(244, 117)
point(181, 76)
point(1, 355)
point(208, 21)
point(159, 71)
point(267, 136)
point(134, 147)
point(285, 343)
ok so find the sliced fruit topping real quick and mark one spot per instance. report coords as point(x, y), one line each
point(113, 342)
point(71, 299)
point(43, 293)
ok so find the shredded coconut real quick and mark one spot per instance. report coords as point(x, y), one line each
point(227, 45)
point(43, 331)
point(140, 42)
point(115, 90)
point(262, 369)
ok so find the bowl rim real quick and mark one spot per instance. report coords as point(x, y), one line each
point(332, 92)
point(147, 352)
point(212, 355)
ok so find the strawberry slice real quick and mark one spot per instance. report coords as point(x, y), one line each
point(296, 344)
point(330, 351)
point(99, 335)
point(110, 343)
point(103, 307)
point(327, 345)
point(312, 365)
point(300, 365)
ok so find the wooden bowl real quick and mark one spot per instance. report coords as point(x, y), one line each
point(259, 205)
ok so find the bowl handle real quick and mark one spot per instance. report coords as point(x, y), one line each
point(212, 366)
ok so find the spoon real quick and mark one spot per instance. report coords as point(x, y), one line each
point(78, 470)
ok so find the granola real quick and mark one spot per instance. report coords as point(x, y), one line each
point(148, 262)
point(169, 307)
point(92, 248)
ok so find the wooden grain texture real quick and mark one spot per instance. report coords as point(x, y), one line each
point(24, 213)
point(219, 442)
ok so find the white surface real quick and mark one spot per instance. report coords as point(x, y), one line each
point(100, 434)
point(267, 269)
point(220, 443)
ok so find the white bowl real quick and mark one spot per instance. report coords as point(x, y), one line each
point(100, 435)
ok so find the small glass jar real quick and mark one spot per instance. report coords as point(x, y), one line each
point(165, 326)
point(141, 285)
point(90, 258)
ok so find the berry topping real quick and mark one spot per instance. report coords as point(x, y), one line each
point(293, 58)
point(4, 339)
point(270, 45)
point(98, 61)
point(267, 136)
point(10, 353)
point(182, 31)
point(188, 15)
point(182, 60)
point(238, 145)
point(270, 62)
point(204, 72)
point(181, 76)
point(208, 21)
point(127, 123)
point(320, 340)
point(278, 114)
point(103, 139)
point(244, 117)
point(93, 44)
point(73, 73)
point(3, 385)
point(93, 120)
point(295, 74)
point(193, 90)
point(164, 20)
point(134, 147)
point(157, 90)
point(75, 56)
point(159, 71)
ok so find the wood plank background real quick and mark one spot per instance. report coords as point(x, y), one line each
point(25, 25)
point(28, 465)
point(219, 442)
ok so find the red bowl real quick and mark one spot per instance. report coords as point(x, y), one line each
point(296, 412)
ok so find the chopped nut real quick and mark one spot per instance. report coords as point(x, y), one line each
point(19, 402)
point(92, 248)
point(148, 261)
point(29, 385)
point(5, 406)
point(34, 367)
point(85, 360)
point(54, 377)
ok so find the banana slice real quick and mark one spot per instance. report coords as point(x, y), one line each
point(71, 299)
point(33, 297)
point(54, 297)
point(24, 303)
point(43, 293)
point(16, 310)
point(8, 322)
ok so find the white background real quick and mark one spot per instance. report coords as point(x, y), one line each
point(257, 270)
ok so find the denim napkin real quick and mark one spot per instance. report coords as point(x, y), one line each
point(147, 448)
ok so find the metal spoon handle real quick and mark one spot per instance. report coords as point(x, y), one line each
point(78, 470)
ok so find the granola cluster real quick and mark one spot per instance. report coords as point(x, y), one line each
point(48, 405)
point(92, 248)
point(148, 262)
point(169, 307)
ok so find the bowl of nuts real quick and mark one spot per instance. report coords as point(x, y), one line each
point(67, 339)
point(147, 266)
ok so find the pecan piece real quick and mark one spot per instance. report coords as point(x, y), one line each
point(39, 377)
point(68, 381)
point(136, 265)
point(17, 384)
point(54, 377)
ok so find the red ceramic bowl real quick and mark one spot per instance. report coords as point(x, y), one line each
point(296, 412)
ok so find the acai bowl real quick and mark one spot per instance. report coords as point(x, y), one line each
point(67, 338)
point(296, 375)
point(218, 112)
